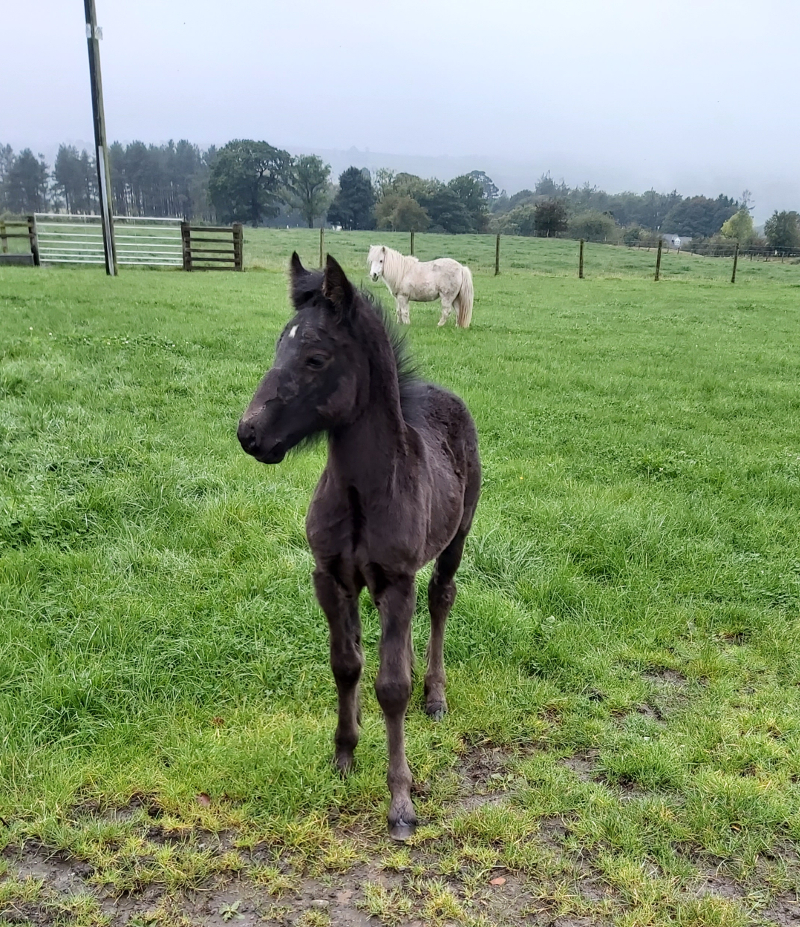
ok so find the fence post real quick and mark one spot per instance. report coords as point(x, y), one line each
point(497, 256)
point(321, 245)
point(34, 240)
point(412, 243)
point(580, 263)
point(735, 260)
point(658, 258)
point(3, 238)
point(238, 246)
point(186, 243)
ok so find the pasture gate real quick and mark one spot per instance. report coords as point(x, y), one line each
point(145, 241)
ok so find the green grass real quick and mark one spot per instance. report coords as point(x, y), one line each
point(626, 632)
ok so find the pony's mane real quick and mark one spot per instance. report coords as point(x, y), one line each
point(394, 263)
point(307, 288)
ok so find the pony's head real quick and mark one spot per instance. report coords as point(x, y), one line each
point(375, 260)
point(316, 382)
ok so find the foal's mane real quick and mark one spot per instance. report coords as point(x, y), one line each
point(366, 310)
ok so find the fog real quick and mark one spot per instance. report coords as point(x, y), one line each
point(699, 97)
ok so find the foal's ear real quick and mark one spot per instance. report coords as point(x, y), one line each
point(336, 287)
point(297, 277)
point(296, 268)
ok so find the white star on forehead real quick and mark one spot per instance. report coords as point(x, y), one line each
point(293, 332)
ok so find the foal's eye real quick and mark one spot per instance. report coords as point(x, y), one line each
point(316, 361)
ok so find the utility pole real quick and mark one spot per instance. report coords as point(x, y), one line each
point(93, 36)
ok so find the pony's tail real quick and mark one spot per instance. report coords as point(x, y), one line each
point(465, 297)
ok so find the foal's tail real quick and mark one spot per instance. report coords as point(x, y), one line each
point(465, 297)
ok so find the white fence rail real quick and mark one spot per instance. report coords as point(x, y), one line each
point(140, 240)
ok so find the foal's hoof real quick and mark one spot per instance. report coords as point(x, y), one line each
point(436, 710)
point(402, 830)
point(402, 819)
point(343, 763)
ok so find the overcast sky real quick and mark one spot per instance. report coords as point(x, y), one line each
point(699, 95)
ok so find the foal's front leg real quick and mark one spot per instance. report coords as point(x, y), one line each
point(393, 688)
point(347, 660)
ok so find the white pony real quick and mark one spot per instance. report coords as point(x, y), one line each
point(409, 279)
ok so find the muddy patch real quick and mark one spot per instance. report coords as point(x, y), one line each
point(668, 695)
point(783, 910)
point(584, 764)
point(485, 778)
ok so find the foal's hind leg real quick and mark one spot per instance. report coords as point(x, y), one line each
point(441, 595)
point(341, 609)
point(395, 603)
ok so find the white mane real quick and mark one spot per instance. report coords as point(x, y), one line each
point(394, 266)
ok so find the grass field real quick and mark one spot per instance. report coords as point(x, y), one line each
point(623, 743)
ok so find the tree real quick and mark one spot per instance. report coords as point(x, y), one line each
point(546, 186)
point(551, 218)
point(652, 208)
point(353, 205)
point(521, 220)
point(246, 180)
point(593, 225)
point(522, 198)
point(411, 185)
point(401, 213)
point(699, 216)
point(782, 230)
point(309, 188)
point(26, 183)
point(471, 194)
point(383, 181)
point(739, 227)
point(448, 213)
point(75, 178)
point(490, 190)
point(6, 160)
point(184, 164)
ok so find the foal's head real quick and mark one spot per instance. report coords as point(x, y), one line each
point(320, 378)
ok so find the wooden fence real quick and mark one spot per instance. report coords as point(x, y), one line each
point(29, 226)
point(212, 247)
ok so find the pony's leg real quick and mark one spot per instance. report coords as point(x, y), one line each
point(393, 688)
point(441, 595)
point(447, 308)
point(402, 310)
point(341, 610)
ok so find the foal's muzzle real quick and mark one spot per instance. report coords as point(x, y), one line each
point(246, 433)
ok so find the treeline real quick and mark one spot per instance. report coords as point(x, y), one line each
point(254, 182)
point(146, 180)
point(161, 180)
point(586, 212)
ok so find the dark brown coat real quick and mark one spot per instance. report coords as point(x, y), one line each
point(399, 489)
